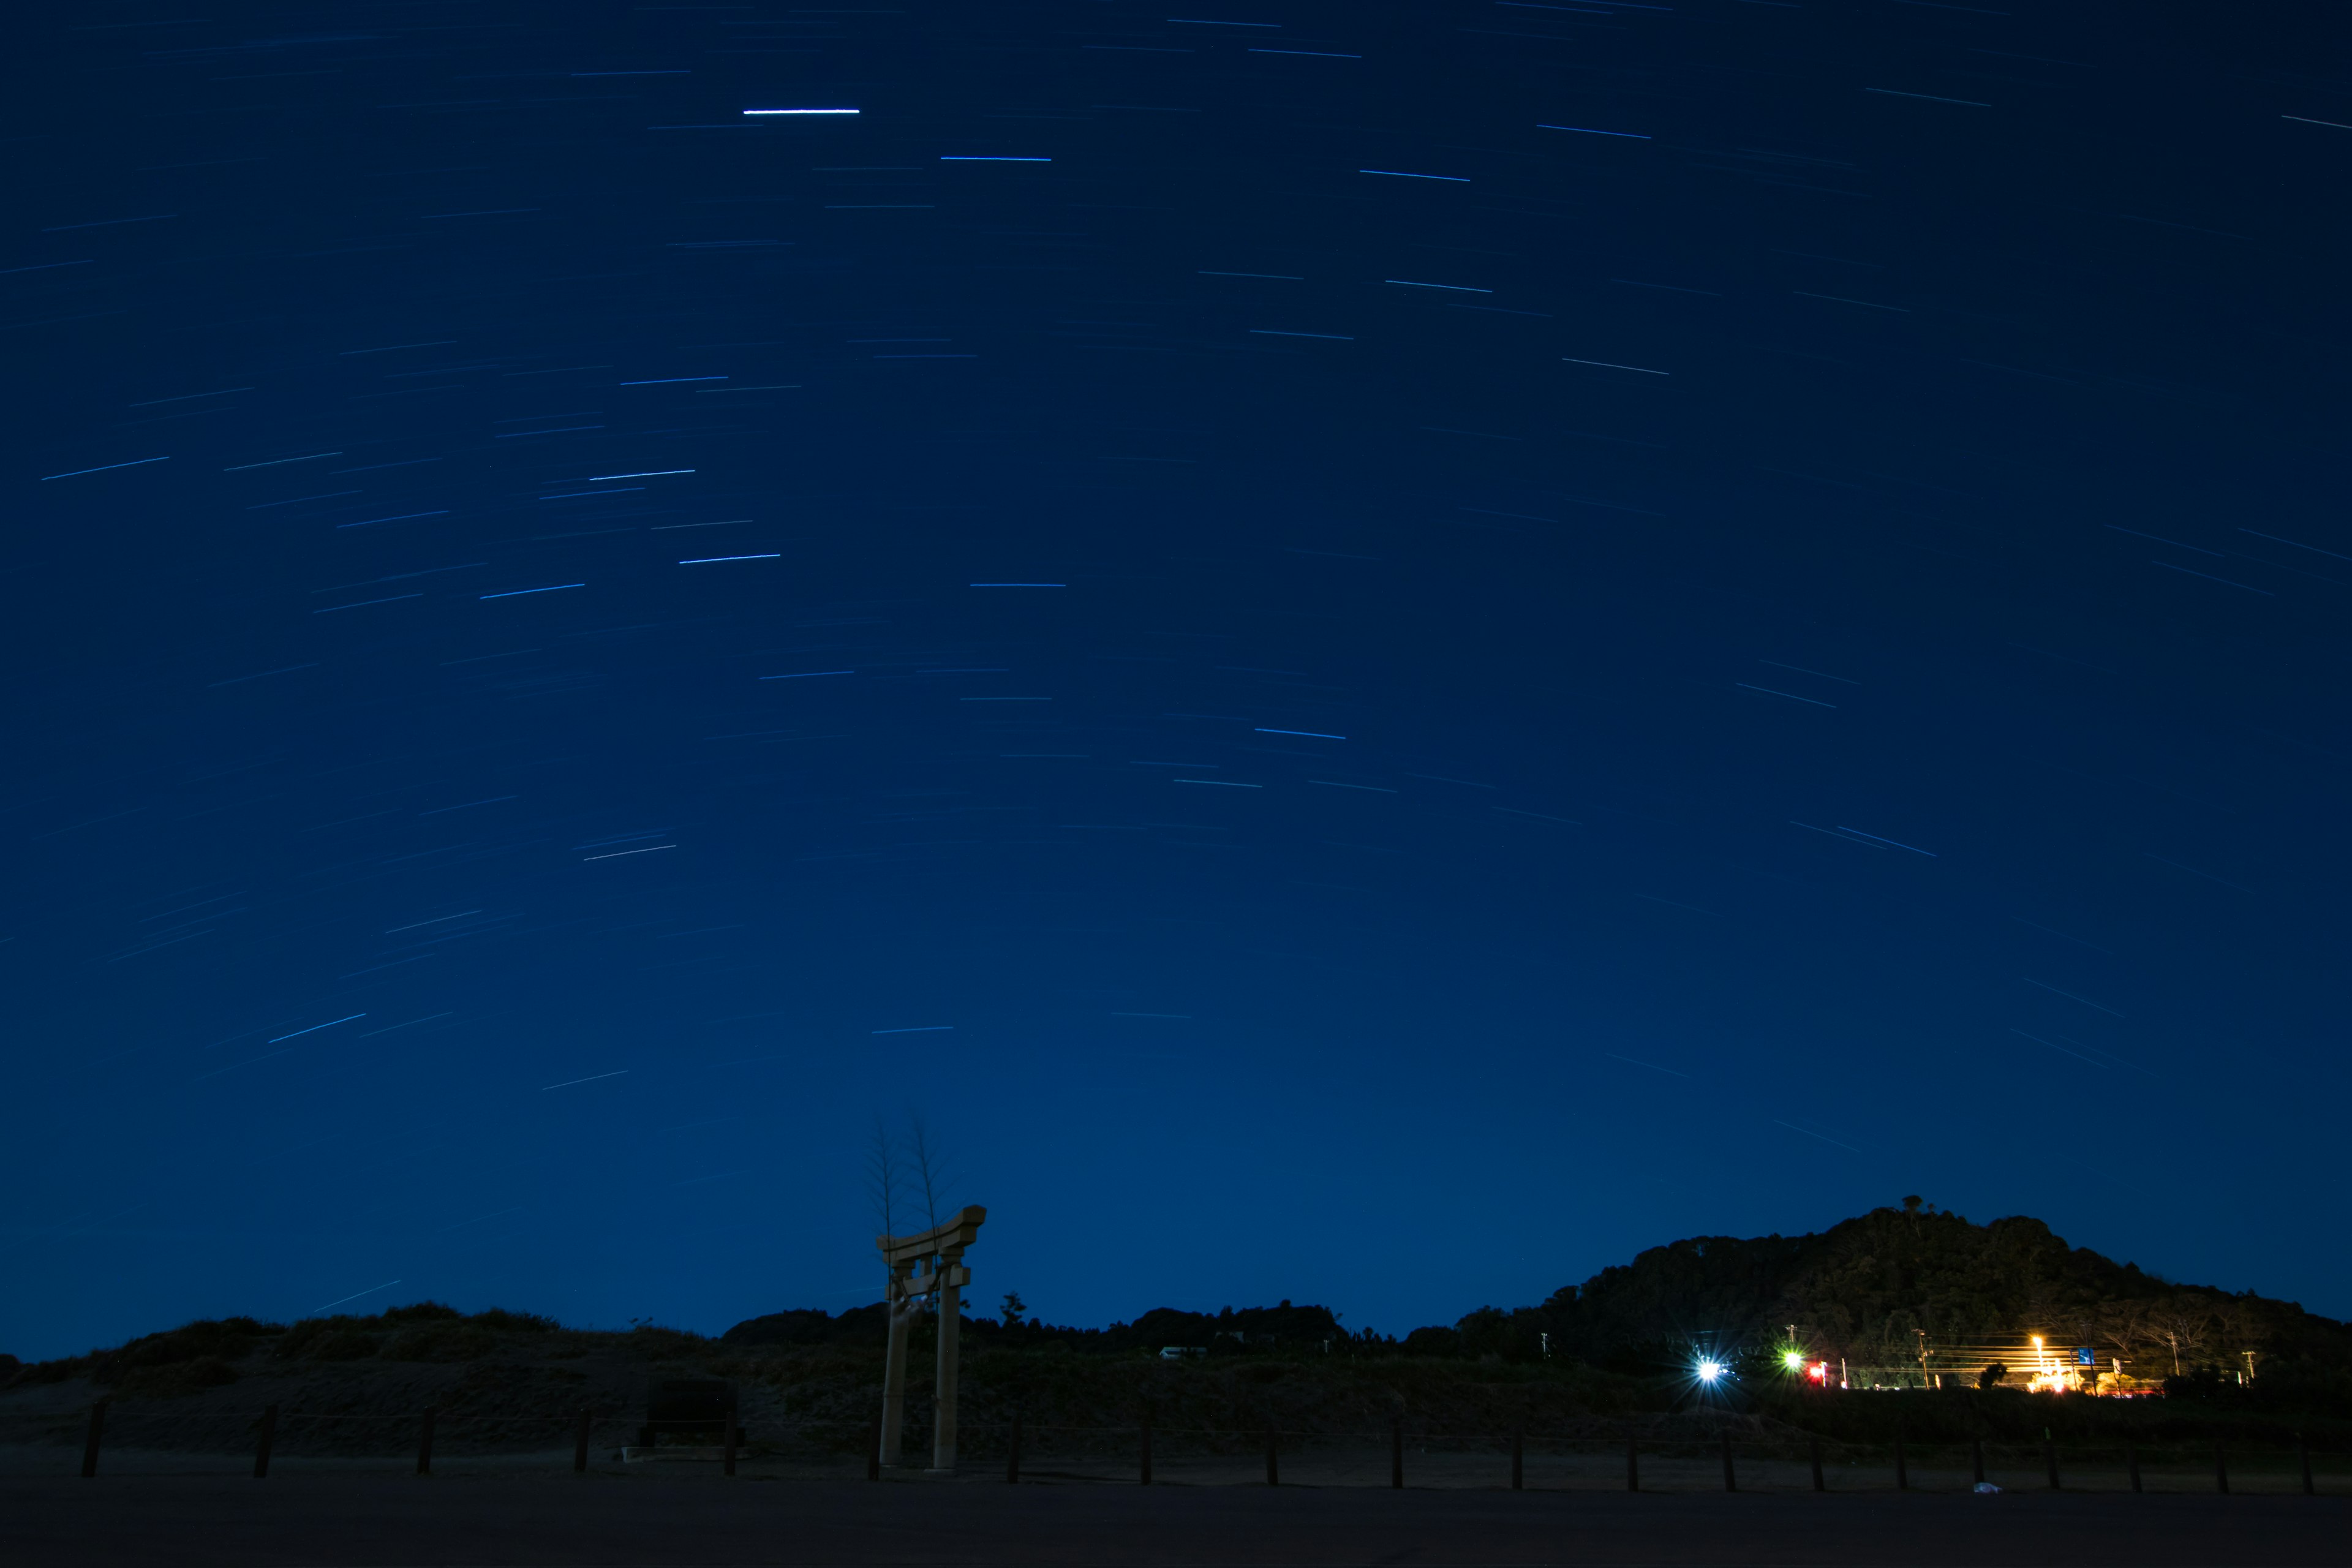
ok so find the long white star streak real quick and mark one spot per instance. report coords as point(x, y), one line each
point(355, 1296)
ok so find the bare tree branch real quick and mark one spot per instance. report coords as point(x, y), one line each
point(930, 1168)
point(884, 1179)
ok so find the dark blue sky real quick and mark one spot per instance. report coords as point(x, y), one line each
point(1661, 620)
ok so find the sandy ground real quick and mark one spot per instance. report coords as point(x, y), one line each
point(1333, 1469)
point(507, 1515)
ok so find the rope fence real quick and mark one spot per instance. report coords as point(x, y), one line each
point(1793, 1460)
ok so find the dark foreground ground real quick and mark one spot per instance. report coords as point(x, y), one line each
point(610, 1520)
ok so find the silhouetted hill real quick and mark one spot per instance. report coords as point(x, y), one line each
point(1620, 1349)
point(1862, 1293)
point(1864, 1290)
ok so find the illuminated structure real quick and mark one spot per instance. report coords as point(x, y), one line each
point(2053, 1374)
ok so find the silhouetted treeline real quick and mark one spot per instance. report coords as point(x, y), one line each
point(1859, 1293)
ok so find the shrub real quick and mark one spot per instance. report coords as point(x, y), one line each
point(440, 1342)
point(504, 1321)
point(222, 1340)
point(421, 1312)
point(177, 1379)
point(1439, 1341)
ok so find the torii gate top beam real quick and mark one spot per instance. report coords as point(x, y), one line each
point(946, 1241)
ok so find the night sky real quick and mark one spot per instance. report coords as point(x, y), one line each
point(1374, 653)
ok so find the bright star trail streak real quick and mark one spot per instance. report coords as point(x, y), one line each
point(595, 1078)
point(103, 467)
point(316, 1027)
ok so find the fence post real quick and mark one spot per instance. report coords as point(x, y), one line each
point(580, 1445)
point(1012, 1453)
point(2221, 1470)
point(1976, 1452)
point(425, 1443)
point(1902, 1465)
point(269, 1440)
point(1273, 1469)
point(1396, 1453)
point(2050, 1461)
point(2131, 1461)
point(2303, 1452)
point(1730, 1481)
point(734, 1439)
point(1633, 1463)
point(1518, 1459)
point(1147, 1451)
point(873, 1451)
point(90, 1444)
point(1819, 1485)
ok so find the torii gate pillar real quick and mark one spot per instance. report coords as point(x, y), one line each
point(920, 1265)
point(943, 1396)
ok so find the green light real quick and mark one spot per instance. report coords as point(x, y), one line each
point(1793, 1360)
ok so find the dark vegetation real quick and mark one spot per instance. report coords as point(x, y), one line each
point(1620, 1351)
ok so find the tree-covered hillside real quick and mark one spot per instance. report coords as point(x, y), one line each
point(1861, 1293)
point(1864, 1290)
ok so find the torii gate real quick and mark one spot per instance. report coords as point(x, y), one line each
point(937, 1253)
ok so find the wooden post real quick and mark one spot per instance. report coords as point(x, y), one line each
point(943, 1390)
point(874, 1452)
point(90, 1444)
point(1976, 1452)
point(2221, 1470)
point(1146, 1479)
point(269, 1440)
point(1730, 1481)
point(1013, 1454)
point(2050, 1461)
point(1819, 1485)
point(1272, 1466)
point(889, 1426)
point(580, 1445)
point(2131, 1462)
point(1633, 1463)
point(1902, 1465)
point(2303, 1452)
point(1518, 1459)
point(425, 1443)
point(734, 1437)
point(1396, 1453)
